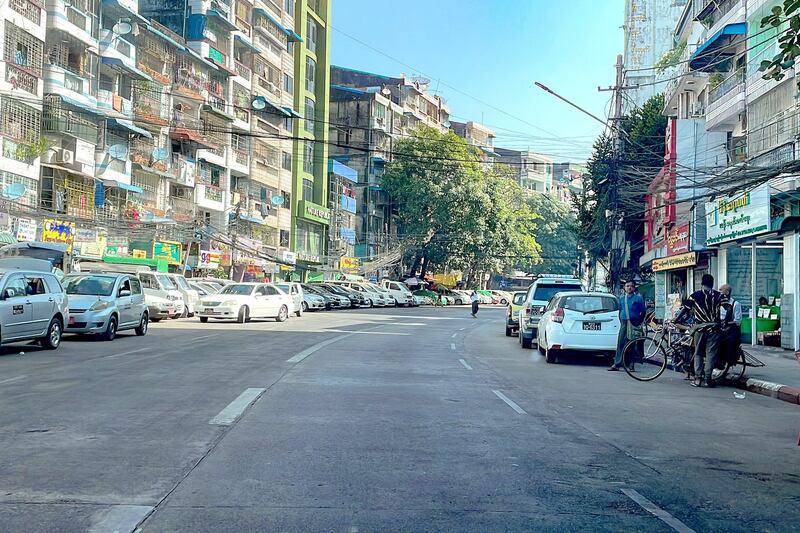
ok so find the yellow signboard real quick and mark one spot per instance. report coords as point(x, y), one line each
point(676, 261)
point(59, 232)
point(349, 263)
point(140, 254)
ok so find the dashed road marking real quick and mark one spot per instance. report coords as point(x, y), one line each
point(12, 380)
point(454, 335)
point(453, 346)
point(465, 364)
point(657, 511)
point(234, 410)
point(511, 403)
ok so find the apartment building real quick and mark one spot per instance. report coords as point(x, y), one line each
point(477, 135)
point(532, 171)
point(368, 114)
point(725, 121)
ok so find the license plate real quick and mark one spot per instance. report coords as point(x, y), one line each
point(591, 326)
point(211, 312)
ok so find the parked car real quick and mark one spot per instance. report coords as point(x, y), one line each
point(399, 291)
point(332, 301)
point(372, 298)
point(33, 304)
point(431, 298)
point(295, 290)
point(243, 301)
point(202, 290)
point(215, 282)
point(161, 285)
point(536, 299)
point(466, 296)
point(356, 298)
point(105, 303)
point(313, 302)
point(420, 300)
point(504, 297)
point(160, 307)
point(512, 313)
point(387, 295)
point(455, 297)
point(190, 295)
point(579, 321)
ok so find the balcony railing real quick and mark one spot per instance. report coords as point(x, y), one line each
point(59, 121)
point(244, 26)
point(213, 193)
point(22, 79)
point(242, 70)
point(28, 9)
point(728, 85)
point(81, 19)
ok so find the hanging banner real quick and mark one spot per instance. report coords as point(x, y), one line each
point(168, 250)
point(59, 232)
point(676, 261)
point(26, 229)
point(678, 240)
point(741, 215)
point(209, 259)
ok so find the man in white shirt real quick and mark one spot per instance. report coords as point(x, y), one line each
point(475, 298)
point(731, 318)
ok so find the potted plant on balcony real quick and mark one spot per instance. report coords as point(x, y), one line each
point(29, 152)
point(715, 80)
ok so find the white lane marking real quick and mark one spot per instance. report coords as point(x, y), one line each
point(119, 518)
point(454, 335)
point(658, 512)
point(12, 380)
point(466, 365)
point(510, 402)
point(308, 351)
point(452, 346)
point(461, 329)
point(234, 410)
point(128, 353)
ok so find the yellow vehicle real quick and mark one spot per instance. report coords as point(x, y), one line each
point(512, 312)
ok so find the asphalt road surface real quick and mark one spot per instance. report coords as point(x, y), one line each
point(376, 420)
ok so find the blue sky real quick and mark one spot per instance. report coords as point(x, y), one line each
point(492, 51)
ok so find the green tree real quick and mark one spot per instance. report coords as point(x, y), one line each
point(555, 224)
point(454, 210)
point(786, 21)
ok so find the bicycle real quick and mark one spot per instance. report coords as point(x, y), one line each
point(672, 345)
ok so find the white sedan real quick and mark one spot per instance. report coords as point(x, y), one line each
point(243, 301)
point(579, 322)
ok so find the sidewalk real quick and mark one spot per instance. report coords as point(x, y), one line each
point(780, 378)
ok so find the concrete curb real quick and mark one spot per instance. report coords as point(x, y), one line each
point(773, 390)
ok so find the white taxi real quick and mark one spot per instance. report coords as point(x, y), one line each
point(579, 322)
point(243, 301)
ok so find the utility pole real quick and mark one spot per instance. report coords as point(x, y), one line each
point(616, 254)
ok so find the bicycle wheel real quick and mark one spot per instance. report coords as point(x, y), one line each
point(733, 372)
point(644, 358)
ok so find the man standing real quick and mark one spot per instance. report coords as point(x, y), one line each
point(706, 305)
point(475, 298)
point(731, 316)
point(631, 315)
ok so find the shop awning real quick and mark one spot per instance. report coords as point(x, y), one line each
point(184, 134)
point(241, 39)
point(119, 63)
point(223, 68)
point(130, 126)
point(80, 105)
point(710, 55)
point(123, 186)
point(142, 168)
point(291, 112)
point(68, 170)
point(272, 105)
point(254, 220)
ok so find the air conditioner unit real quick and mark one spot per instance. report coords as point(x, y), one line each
point(66, 157)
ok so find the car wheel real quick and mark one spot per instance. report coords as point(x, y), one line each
point(459, 302)
point(369, 303)
point(111, 330)
point(185, 313)
point(52, 340)
point(141, 330)
point(304, 307)
point(508, 331)
point(244, 315)
point(550, 355)
point(299, 312)
point(283, 314)
point(203, 319)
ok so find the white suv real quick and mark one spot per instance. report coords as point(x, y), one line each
point(536, 299)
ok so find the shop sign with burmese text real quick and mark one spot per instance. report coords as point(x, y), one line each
point(738, 216)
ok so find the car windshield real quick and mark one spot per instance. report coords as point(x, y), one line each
point(181, 281)
point(283, 287)
point(589, 303)
point(239, 289)
point(545, 291)
point(90, 285)
point(166, 282)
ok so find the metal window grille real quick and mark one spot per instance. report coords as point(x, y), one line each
point(22, 49)
point(27, 9)
point(19, 121)
point(31, 186)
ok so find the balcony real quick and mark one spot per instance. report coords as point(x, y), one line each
point(778, 130)
point(76, 18)
point(144, 153)
point(57, 120)
point(109, 101)
point(68, 71)
point(242, 70)
point(181, 209)
point(148, 106)
point(115, 46)
point(725, 103)
point(184, 169)
point(22, 78)
point(716, 14)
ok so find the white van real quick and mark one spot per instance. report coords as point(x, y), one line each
point(295, 290)
point(400, 292)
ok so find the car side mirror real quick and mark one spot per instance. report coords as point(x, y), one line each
point(124, 292)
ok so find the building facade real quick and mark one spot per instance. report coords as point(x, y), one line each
point(533, 172)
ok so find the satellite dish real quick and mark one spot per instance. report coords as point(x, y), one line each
point(277, 200)
point(118, 151)
point(259, 103)
point(160, 154)
point(123, 27)
point(13, 191)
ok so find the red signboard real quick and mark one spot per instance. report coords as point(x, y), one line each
point(678, 240)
